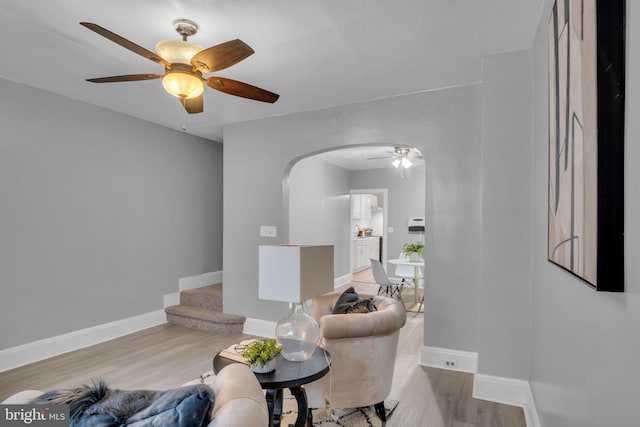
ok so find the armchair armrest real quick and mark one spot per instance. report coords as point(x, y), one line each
point(390, 317)
point(239, 400)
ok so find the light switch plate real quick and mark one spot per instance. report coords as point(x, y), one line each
point(390, 230)
point(268, 231)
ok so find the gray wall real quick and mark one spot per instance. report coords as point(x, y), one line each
point(406, 200)
point(585, 344)
point(444, 125)
point(100, 214)
point(505, 286)
point(319, 208)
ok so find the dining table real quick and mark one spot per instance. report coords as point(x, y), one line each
point(416, 272)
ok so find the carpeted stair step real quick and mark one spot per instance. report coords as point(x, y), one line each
point(209, 297)
point(205, 319)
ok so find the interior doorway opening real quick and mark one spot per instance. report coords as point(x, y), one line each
point(320, 190)
point(368, 220)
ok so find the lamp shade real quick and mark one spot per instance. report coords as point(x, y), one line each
point(294, 273)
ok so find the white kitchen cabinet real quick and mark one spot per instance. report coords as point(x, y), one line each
point(361, 205)
point(365, 206)
point(356, 210)
point(363, 249)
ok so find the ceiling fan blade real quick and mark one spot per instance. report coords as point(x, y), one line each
point(233, 87)
point(125, 78)
point(377, 158)
point(221, 56)
point(193, 105)
point(125, 43)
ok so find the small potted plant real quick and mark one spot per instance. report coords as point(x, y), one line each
point(261, 355)
point(415, 251)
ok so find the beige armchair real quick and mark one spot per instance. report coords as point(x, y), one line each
point(363, 352)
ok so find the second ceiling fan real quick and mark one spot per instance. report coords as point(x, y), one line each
point(185, 63)
point(401, 156)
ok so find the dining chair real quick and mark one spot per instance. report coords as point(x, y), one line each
point(387, 286)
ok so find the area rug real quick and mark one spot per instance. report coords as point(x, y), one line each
point(206, 378)
point(351, 417)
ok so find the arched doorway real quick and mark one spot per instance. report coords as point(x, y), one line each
point(319, 192)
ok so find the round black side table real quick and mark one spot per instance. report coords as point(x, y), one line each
point(291, 375)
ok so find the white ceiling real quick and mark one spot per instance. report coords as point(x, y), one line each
point(360, 158)
point(314, 53)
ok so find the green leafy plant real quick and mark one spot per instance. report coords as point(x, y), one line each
point(260, 352)
point(418, 247)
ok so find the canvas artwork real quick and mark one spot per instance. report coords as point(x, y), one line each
point(586, 147)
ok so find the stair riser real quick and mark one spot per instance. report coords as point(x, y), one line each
point(210, 302)
point(222, 328)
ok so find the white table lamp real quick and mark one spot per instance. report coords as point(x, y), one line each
point(294, 274)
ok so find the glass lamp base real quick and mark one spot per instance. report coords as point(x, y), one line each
point(298, 333)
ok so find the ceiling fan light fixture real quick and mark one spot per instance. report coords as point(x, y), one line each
point(406, 163)
point(396, 163)
point(183, 84)
point(177, 51)
point(182, 78)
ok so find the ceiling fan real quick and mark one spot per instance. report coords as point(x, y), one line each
point(401, 156)
point(185, 63)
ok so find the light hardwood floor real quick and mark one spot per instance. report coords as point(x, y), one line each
point(365, 277)
point(167, 356)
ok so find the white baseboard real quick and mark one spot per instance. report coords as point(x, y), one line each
point(42, 349)
point(199, 281)
point(437, 357)
point(259, 327)
point(171, 299)
point(508, 391)
point(486, 387)
point(339, 281)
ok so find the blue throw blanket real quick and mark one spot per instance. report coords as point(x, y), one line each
point(96, 405)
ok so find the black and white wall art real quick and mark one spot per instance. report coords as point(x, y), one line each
point(586, 140)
